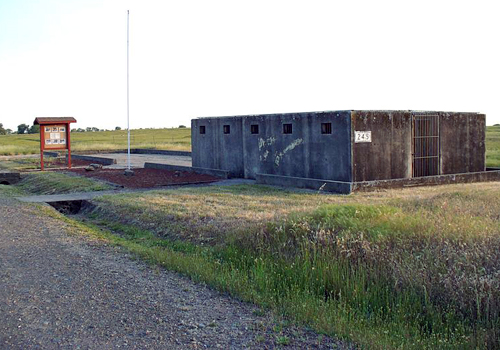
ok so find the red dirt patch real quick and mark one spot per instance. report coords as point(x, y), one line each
point(146, 178)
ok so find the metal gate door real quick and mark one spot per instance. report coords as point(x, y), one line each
point(425, 144)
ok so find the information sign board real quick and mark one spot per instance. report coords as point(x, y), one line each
point(55, 135)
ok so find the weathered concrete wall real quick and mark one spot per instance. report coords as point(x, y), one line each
point(157, 151)
point(95, 159)
point(462, 143)
point(367, 186)
point(483, 176)
point(204, 146)
point(300, 182)
point(216, 150)
point(306, 152)
point(214, 172)
point(388, 155)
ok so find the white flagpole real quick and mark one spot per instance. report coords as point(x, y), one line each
point(128, 122)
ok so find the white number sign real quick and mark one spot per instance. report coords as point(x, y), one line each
point(362, 136)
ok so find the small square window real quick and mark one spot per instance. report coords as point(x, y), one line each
point(202, 129)
point(254, 129)
point(227, 129)
point(326, 128)
point(287, 128)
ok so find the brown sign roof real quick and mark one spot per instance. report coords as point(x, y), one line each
point(54, 120)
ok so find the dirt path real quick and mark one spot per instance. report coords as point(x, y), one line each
point(61, 291)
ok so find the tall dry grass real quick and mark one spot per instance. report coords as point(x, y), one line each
point(412, 268)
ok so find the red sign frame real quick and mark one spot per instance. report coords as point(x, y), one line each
point(56, 124)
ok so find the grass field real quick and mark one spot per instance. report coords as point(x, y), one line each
point(412, 268)
point(58, 183)
point(171, 139)
point(42, 183)
point(493, 146)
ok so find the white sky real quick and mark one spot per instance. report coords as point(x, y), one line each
point(211, 58)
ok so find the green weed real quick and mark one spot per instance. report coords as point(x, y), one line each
point(282, 340)
point(409, 268)
point(57, 183)
point(9, 191)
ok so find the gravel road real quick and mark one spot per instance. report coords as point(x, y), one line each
point(61, 291)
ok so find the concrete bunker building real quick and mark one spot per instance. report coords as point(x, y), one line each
point(343, 151)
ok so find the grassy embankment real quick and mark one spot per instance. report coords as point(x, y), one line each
point(59, 183)
point(53, 183)
point(171, 139)
point(413, 268)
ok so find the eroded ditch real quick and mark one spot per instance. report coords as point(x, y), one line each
point(72, 207)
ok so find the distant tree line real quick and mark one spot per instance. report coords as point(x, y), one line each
point(92, 129)
point(21, 129)
point(26, 129)
point(4, 131)
point(35, 129)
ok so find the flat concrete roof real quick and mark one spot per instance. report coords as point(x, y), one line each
point(336, 111)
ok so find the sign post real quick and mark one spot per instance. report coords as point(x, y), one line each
point(55, 134)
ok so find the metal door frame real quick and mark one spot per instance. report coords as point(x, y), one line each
point(427, 163)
